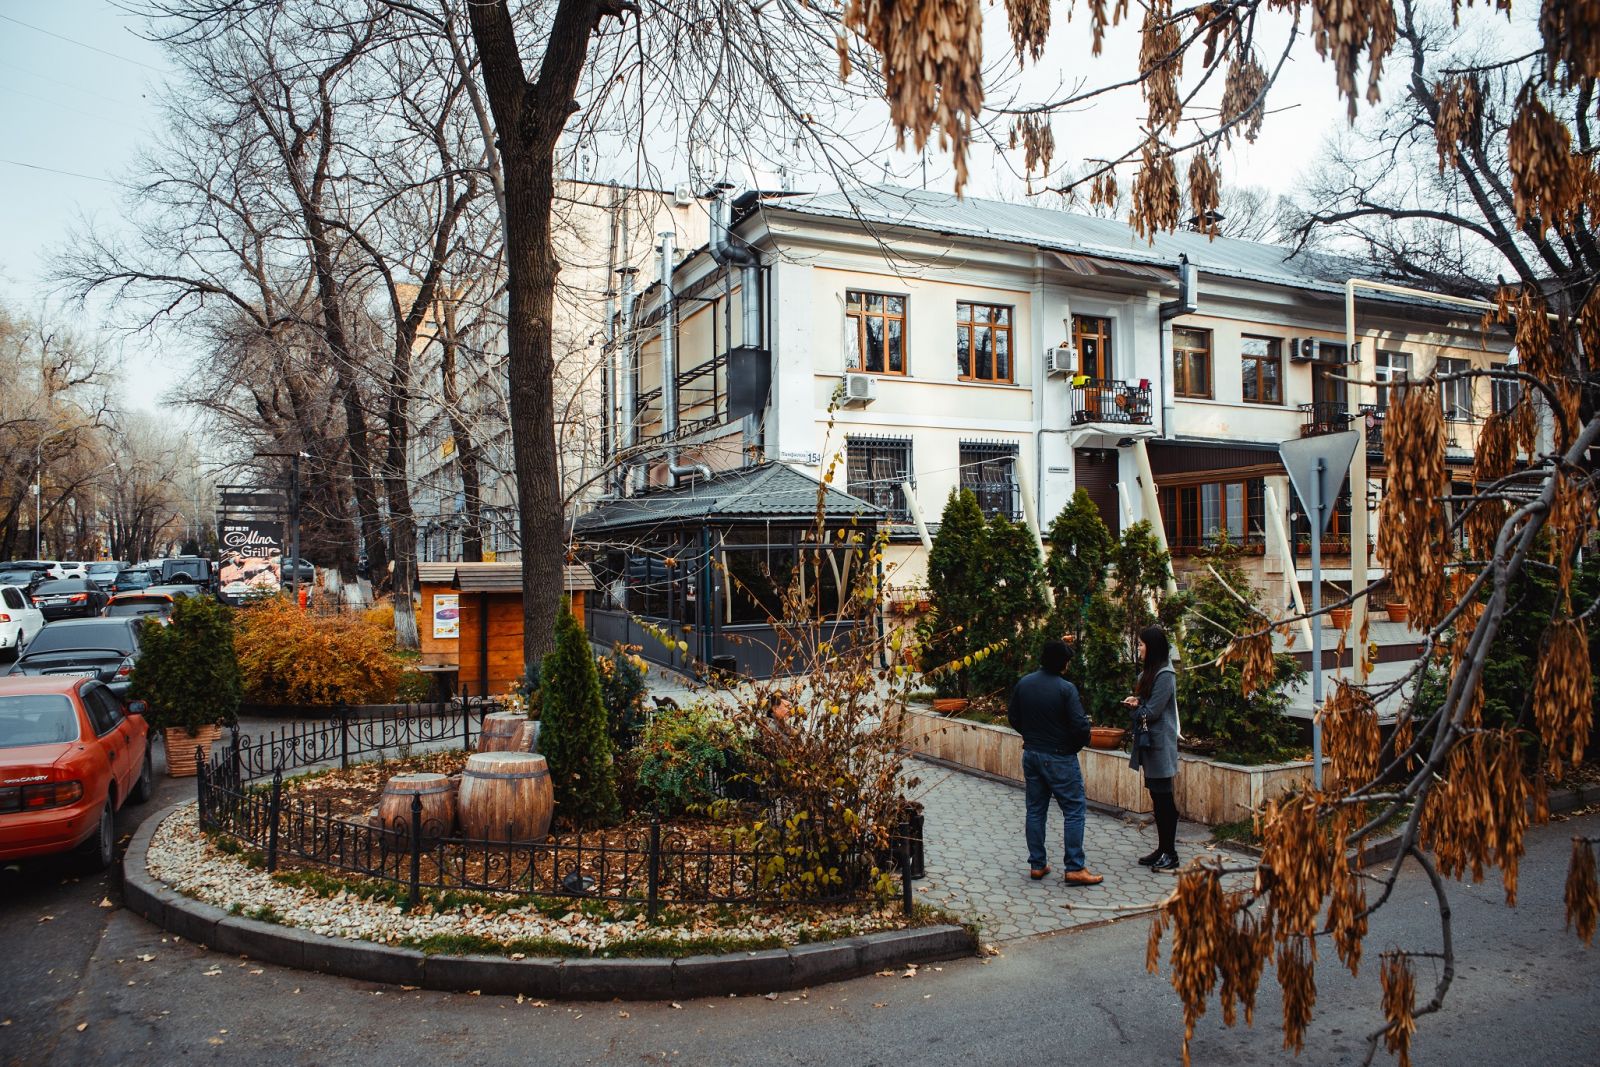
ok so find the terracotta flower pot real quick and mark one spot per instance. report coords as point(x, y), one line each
point(1399, 611)
point(950, 705)
point(1105, 736)
point(1342, 617)
point(182, 746)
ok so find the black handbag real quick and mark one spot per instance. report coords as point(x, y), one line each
point(1142, 738)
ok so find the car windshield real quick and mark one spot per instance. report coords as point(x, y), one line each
point(133, 577)
point(61, 637)
point(66, 585)
point(37, 719)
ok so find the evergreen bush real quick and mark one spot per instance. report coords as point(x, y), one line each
point(623, 689)
point(575, 739)
point(955, 588)
point(1211, 700)
point(187, 671)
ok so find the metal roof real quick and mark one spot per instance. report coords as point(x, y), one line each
point(769, 491)
point(497, 577)
point(1065, 231)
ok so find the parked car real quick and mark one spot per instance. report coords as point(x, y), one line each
point(102, 648)
point(25, 574)
point(20, 621)
point(69, 598)
point(72, 568)
point(175, 591)
point(307, 572)
point(130, 580)
point(142, 604)
point(104, 573)
point(51, 567)
point(186, 570)
point(70, 756)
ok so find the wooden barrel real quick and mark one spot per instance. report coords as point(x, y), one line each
point(528, 740)
point(438, 804)
point(501, 731)
point(506, 796)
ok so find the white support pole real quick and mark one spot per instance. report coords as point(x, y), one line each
point(1152, 505)
point(916, 514)
point(1280, 531)
point(1030, 517)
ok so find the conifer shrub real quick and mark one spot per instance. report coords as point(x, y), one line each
point(187, 671)
point(575, 738)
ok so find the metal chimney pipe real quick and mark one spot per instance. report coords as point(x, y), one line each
point(627, 362)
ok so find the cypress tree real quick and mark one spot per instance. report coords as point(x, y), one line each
point(955, 586)
point(575, 739)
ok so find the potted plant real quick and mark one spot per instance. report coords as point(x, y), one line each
point(1399, 610)
point(188, 675)
point(1106, 736)
point(1341, 617)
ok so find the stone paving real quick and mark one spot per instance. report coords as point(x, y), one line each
point(977, 859)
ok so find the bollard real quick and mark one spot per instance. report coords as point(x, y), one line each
point(416, 850)
point(906, 901)
point(344, 736)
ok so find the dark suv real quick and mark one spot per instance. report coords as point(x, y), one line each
point(187, 570)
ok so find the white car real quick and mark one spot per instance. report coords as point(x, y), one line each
point(71, 569)
point(20, 621)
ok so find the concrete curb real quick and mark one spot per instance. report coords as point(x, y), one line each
point(681, 978)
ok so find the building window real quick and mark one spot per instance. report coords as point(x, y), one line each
point(1200, 516)
point(983, 342)
point(1393, 370)
point(875, 334)
point(1455, 394)
point(1191, 362)
point(877, 470)
point(1261, 360)
point(1092, 335)
point(990, 471)
point(1504, 392)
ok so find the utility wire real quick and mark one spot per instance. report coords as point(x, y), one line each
point(81, 44)
point(68, 173)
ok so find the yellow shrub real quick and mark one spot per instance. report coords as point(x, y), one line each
point(289, 656)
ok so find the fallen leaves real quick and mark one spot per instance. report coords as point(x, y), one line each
point(145, 957)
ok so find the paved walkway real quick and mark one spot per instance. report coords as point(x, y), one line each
point(977, 859)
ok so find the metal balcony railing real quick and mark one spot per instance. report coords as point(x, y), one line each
point(1110, 400)
point(1324, 417)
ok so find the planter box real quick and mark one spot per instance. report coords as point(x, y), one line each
point(1206, 791)
point(184, 749)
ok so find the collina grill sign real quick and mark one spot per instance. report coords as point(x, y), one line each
point(252, 537)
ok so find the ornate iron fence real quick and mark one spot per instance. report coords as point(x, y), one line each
point(242, 796)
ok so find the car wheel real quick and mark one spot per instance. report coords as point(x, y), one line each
point(145, 787)
point(101, 848)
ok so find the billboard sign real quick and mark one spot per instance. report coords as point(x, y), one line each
point(252, 557)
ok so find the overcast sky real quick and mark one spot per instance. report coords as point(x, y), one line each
point(77, 85)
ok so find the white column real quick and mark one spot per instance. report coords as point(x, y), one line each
point(793, 431)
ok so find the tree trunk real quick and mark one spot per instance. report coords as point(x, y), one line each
point(529, 119)
point(466, 444)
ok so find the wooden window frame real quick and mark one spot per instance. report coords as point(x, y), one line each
point(1181, 379)
point(1106, 335)
point(1274, 355)
point(1458, 365)
point(1170, 496)
point(860, 318)
point(971, 326)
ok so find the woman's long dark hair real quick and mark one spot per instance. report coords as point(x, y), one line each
point(1157, 654)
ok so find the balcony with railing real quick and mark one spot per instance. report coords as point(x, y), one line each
point(1324, 417)
point(1110, 400)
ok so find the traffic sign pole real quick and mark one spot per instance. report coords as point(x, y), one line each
point(1315, 506)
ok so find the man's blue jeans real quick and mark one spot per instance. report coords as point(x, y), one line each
point(1049, 776)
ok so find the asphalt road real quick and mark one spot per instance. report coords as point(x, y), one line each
point(1527, 992)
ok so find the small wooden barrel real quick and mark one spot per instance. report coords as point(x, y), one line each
point(501, 731)
point(506, 796)
point(438, 804)
point(528, 740)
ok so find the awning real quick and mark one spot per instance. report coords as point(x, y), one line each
point(507, 578)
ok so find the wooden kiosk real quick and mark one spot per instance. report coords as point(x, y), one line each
point(485, 649)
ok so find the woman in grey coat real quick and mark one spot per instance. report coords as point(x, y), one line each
point(1156, 702)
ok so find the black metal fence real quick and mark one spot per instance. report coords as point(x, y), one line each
point(243, 797)
point(1110, 400)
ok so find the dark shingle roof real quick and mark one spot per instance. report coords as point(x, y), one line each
point(770, 491)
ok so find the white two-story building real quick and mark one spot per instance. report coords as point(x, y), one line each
point(909, 342)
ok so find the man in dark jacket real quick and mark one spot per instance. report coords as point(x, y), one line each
point(1047, 712)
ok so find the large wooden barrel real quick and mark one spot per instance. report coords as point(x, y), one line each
point(501, 732)
point(438, 797)
point(506, 796)
point(528, 740)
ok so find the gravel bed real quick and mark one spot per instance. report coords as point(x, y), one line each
point(181, 856)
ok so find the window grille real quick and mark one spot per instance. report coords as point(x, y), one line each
point(876, 470)
point(989, 470)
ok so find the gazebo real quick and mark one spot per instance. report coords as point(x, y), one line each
point(706, 565)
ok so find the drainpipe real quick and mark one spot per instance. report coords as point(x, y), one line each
point(1188, 303)
point(627, 357)
point(669, 370)
point(727, 254)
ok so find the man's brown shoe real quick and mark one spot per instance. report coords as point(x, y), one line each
point(1082, 877)
point(1038, 873)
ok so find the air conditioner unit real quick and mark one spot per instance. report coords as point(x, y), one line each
point(683, 194)
point(860, 388)
point(1304, 349)
point(1063, 359)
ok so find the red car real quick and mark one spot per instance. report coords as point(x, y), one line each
point(70, 755)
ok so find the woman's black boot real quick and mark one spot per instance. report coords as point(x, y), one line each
point(1145, 861)
point(1167, 861)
